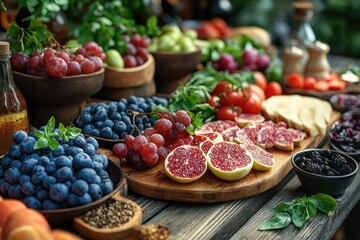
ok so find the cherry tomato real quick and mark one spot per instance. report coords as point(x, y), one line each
point(257, 90)
point(321, 86)
point(309, 83)
point(228, 113)
point(214, 101)
point(294, 80)
point(231, 98)
point(260, 80)
point(272, 89)
point(221, 87)
point(336, 85)
point(251, 104)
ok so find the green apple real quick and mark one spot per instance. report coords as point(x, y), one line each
point(191, 34)
point(176, 48)
point(170, 28)
point(166, 42)
point(114, 59)
point(186, 44)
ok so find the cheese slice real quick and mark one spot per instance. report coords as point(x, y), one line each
point(306, 115)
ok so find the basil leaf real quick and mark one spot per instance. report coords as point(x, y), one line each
point(42, 142)
point(311, 209)
point(283, 207)
point(325, 203)
point(276, 221)
point(299, 215)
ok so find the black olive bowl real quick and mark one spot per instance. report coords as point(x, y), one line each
point(316, 183)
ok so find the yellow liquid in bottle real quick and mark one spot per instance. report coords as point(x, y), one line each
point(9, 124)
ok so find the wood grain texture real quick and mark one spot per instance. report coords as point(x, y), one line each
point(155, 183)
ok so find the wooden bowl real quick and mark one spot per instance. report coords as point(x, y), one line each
point(123, 82)
point(172, 69)
point(62, 98)
point(62, 216)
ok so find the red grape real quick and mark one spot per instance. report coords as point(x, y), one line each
point(88, 66)
point(180, 128)
point(149, 131)
point(138, 141)
point(148, 149)
point(129, 61)
point(120, 150)
point(103, 57)
point(74, 68)
point(183, 117)
point(98, 62)
point(139, 61)
point(82, 51)
point(163, 125)
point(90, 46)
point(150, 160)
point(162, 152)
point(170, 135)
point(98, 51)
point(56, 67)
point(136, 40)
point(157, 139)
point(128, 140)
point(34, 63)
point(145, 42)
point(19, 61)
point(143, 53)
point(64, 56)
point(79, 58)
point(131, 49)
point(49, 53)
point(262, 61)
point(249, 56)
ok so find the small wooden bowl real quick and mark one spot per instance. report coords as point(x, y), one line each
point(172, 69)
point(123, 82)
point(61, 216)
point(62, 98)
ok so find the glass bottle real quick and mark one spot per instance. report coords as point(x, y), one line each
point(13, 108)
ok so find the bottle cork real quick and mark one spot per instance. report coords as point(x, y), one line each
point(4, 47)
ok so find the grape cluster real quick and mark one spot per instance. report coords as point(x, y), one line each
point(226, 62)
point(72, 175)
point(345, 134)
point(136, 50)
point(348, 101)
point(112, 121)
point(149, 149)
point(59, 63)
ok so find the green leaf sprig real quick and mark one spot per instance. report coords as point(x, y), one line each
point(49, 137)
point(299, 211)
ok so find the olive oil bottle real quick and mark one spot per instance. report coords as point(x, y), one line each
point(13, 108)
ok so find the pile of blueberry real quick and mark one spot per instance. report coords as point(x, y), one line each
point(72, 175)
point(324, 163)
point(112, 121)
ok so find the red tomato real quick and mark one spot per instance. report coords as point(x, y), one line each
point(228, 113)
point(294, 80)
point(336, 85)
point(221, 87)
point(321, 86)
point(251, 104)
point(257, 90)
point(272, 89)
point(221, 26)
point(260, 80)
point(214, 101)
point(231, 98)
point(309, 83)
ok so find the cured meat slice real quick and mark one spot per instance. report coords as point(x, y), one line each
point(263, 160)
point(265, 137)
point(284, 139)
point(245, 119)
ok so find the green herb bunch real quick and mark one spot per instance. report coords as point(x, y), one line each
point(299, 211)
point(50, 136)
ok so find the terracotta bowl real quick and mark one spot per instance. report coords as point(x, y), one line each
point(62, 98)
point(316, 183)
point(172, 69)
point(124, 82)
point(66, 215)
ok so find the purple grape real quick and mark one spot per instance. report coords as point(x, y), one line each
point(262, 61)
point(249, 57)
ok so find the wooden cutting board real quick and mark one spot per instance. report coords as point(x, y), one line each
point(156, 184)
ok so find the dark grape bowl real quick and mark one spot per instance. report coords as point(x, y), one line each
point(324, 170)
point(344, 134)
point(345, 101)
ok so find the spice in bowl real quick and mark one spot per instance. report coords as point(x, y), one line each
point(113, 213)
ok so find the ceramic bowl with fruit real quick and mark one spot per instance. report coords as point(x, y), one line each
point(176, 57)
point(345, 101)
point(344, 135)
point(324, 170)
point(58, 83)
point(59, 173)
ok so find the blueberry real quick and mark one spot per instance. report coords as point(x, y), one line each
point(123, 134)
point(87, 118)
point(27, 145)
point(95, 191)
point(48, 204)
point(133, 107)
point(107, 123)
point(106, 132)
point(58, 192)
point(95, 132)
point(68, 184)
point(97, 179)
point(104, 160)
point(16, 164)
point(38, 177)
point(82, 160)
point(24, 178)
point(15, 151)
point(132, 100)
point(28, 165)
point(112, 107)
point(44, 161)
point(114, 136)
point(63, 174)
point(80, 187)
point(149, 101)
point(124, 114)
point(4, 187)
point(80, 141)
point(42, 194)
point(89, 149)
point(85, 199)
point(6, 161)
point(121, 106)
point(58, 151)
point(88, 128)
point(73, 151)
point(93, 142)
point(141, 126)
point(126, 120)
point(48, 182)
point(119, 127)
point(144, 107)
point(14, 191)
point(63, 161)
point(130, 128)
point(28, 188)
point(65, 146)
point(1, 172)
point(87, 174)
point(100, 107)
point(38, 168)
point(32, 202)
point(138, 120)
point(140, 110)
point(106, 186)
point(98, 124)
point(73, 199)
point(12, 175)
point(104, 174)
point(100, 115)
point(50, 168)
point(80, 121)
point(115, 116)
point(18, 136)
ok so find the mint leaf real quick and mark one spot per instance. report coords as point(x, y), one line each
point(53, 143)
point(276, 221)
point(42, 142)
point(50, 126)
point(13, 31)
